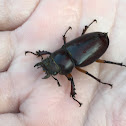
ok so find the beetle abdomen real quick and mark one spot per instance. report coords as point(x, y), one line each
point(88, 48)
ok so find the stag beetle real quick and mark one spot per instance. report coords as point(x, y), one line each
point(80, 52)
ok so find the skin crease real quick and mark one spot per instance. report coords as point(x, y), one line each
point(28, 100)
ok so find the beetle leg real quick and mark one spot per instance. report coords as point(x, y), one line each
point(86, 27)
point(83, 71)
point(47, 76)
point(110, 62)
point(57, 81)
point(72, 93)
point(30, 52)
point(38, 53)
point(64, 36)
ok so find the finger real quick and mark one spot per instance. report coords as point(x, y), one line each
point(11, 120)
point(8, 99)
point(6, 50)
point(13, 13)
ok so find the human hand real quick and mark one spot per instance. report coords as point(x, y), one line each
point(26, 99)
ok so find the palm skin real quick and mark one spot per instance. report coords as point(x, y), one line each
point(26, 99)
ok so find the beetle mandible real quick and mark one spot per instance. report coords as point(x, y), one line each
point(80, 52)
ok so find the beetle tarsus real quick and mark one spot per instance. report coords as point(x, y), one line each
point(105, 83)
point(115, 63)
point(38, 53)
point(72, 93)
point(84, 71)
point(110, 62)
point(64, 36)
point(95, 20)
point(77, 101)
point(92, 22)
point(87, 26)
point(57, 81)
point(30, 52)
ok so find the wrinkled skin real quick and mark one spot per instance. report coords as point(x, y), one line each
point(28, 100)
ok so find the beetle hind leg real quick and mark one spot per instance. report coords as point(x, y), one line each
point(72, 93)
point(110, 62)
point(83, 71)
point(87, 26)
point(64, 36)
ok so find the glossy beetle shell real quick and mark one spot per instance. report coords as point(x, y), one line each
point(63, 61)
point(86, 49)
point(81, 51)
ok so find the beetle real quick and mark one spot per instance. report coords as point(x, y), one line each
point(77, 53)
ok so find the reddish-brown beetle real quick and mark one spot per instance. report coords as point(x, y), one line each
point(77, 53)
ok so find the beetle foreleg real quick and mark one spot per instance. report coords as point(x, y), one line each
point(110, 62)
point(38, 53)
point(83, 71)
point(57, 81)
point(87, 26)
point(64, 36)
point(30, 52)
point(72, 93)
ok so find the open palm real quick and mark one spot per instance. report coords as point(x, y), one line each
point(26, 99)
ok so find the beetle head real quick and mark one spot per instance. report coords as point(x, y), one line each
point(49, 67)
